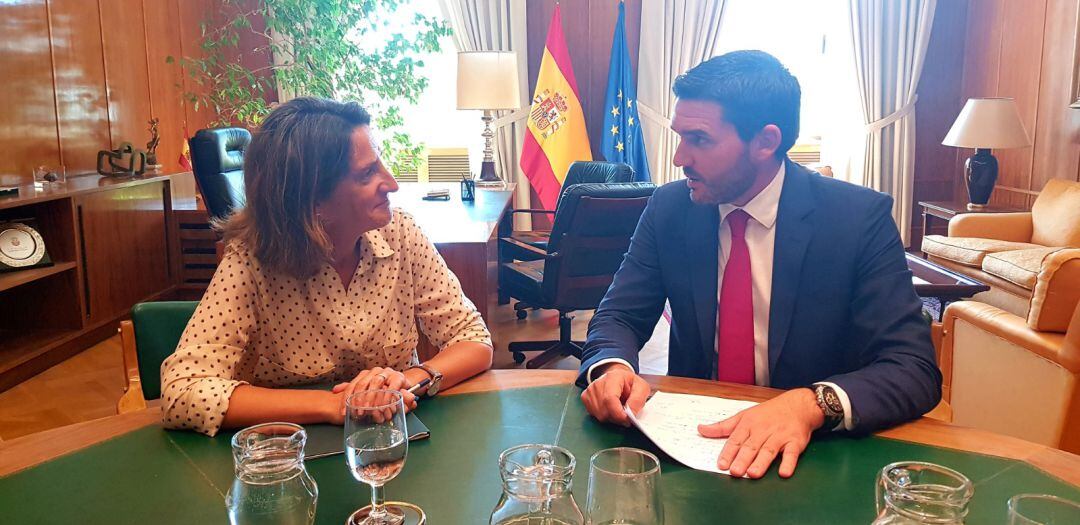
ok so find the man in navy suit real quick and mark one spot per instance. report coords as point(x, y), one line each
point(776, 276)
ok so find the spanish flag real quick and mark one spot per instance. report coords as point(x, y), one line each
point(557, 135)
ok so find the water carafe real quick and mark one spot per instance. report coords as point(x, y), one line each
point(271, 486)
point(536, 483)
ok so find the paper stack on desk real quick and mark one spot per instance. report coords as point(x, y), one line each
point(671, 421)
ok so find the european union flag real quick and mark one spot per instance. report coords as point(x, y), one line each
point(622, 128)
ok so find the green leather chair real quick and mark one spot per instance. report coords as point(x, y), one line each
point(147, 339)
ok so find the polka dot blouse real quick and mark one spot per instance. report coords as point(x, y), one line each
point(260, 328)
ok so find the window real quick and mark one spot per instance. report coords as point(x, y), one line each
point(813, 39)
point(434, 120)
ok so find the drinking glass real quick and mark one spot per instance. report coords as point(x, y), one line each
point(624, 487)
point(376, 443)
point(915, 492)
point(1042, 509)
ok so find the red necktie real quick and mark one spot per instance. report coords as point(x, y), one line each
point(735, 312)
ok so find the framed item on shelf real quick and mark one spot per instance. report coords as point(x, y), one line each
point(21, 246)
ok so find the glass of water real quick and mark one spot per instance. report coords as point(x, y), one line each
point(1042, 509)
point(624, 487)
point(376, 443)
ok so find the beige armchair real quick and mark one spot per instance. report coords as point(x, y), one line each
point(1030, 260)
point(1004, 376)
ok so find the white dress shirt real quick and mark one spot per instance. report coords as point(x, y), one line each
point(760, 241)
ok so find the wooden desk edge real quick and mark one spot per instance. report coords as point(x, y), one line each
point(27, 451)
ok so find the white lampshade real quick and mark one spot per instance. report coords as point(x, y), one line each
point(487, 80)
point(989, 123)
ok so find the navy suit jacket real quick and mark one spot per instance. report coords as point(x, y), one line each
point(843, 305)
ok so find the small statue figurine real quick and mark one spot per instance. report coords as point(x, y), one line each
point(151, 147)
point(111, 162)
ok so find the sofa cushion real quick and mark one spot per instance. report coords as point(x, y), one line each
point(1055, 216)
point(968, 251)
point(1020, 267)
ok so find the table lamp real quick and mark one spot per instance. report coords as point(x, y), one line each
point(488, 81)
point(985, 124)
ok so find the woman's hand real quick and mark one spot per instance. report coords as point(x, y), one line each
point(377, 378)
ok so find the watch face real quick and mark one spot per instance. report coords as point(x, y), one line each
point(20, 245)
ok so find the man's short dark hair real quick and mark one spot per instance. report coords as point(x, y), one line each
point(753, 88)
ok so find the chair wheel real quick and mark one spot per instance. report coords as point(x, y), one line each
point(519, 357)
point(521, 314)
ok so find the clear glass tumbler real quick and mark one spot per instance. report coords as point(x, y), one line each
point(624, 487)
point(914, 492)
point(272, 486)
point(1042, 509)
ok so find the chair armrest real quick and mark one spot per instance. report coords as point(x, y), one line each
point(1056, 292)
point(532, 210)
point(524, 246)
point(1015, 227)
point(1009, 327)
point(133, 394)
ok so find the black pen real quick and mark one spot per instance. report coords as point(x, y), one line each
point(412, 390)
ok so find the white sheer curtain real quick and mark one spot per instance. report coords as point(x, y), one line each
point(675, 36)
point(890, 39)
point(499, 25)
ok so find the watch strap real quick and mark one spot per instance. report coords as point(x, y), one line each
point(436, 379)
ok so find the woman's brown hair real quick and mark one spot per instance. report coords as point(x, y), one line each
point(295, 160)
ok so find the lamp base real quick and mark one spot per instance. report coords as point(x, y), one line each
point(980, 175)
point(487, 172)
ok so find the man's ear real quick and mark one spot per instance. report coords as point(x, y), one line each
point(766, 142)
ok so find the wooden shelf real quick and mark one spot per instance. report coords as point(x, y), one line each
point(10, 280)
point(19, 346)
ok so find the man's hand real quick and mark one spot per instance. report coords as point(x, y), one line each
point(756, 435)
point(616, 386)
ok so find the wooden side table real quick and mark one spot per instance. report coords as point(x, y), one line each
point(945, 210)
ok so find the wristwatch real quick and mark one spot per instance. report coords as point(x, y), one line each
point(830, 404)
point(436, 379)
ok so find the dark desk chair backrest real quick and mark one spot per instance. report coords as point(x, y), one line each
point(589, 238)
point(217, 158)
point(593, 171)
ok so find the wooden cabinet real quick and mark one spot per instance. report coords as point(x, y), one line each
point(125, 248)
point(112, 246)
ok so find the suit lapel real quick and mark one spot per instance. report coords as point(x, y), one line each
point(702, 242)
point(794, 229)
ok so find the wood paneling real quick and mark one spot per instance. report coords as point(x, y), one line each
point(939, 101)
point(1018, 77)
point(28, 121)
point(1007, 48)
point(79, 76)
point(1057, 131)
point(126, 252)
point(588, 26)
point(1024, 50)
point(79, 68)
point(166, 90)
point(126, 79)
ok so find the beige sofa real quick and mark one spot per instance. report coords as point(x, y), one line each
point(1031, 260)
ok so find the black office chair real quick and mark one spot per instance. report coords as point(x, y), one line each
point(590, 235)
point(217, 158)
point(580, 172)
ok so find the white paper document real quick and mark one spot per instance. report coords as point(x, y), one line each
point(671, 421)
